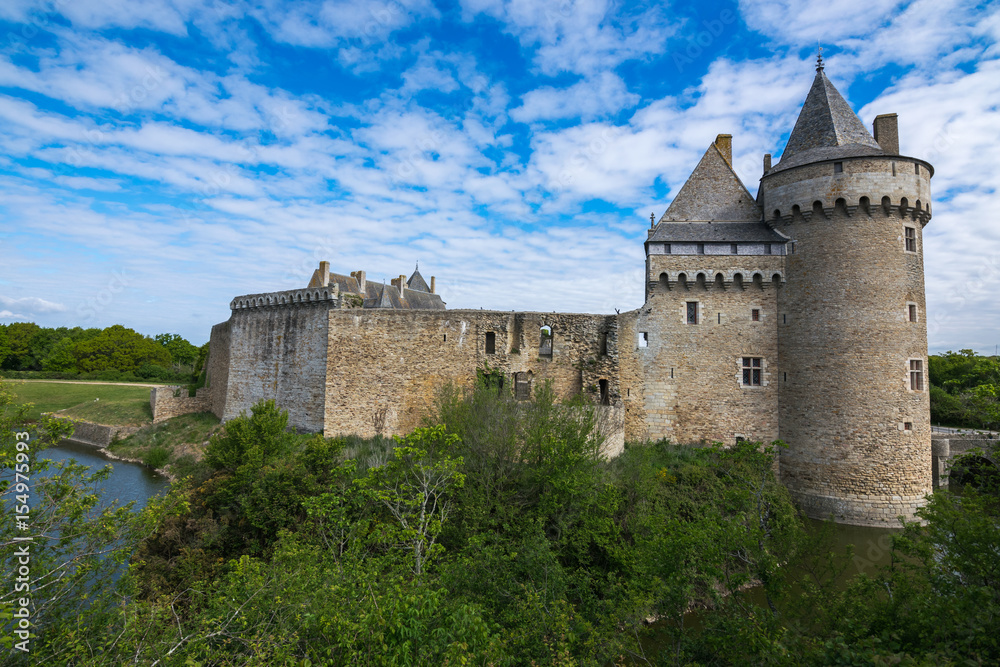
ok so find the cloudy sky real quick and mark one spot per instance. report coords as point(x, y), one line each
point(158, 157)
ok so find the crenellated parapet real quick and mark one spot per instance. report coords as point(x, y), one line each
point(888, 185)
point(917, 211)
point(308, 296)
point(736, 279)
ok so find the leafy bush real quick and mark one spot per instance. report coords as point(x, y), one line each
point(156, 457)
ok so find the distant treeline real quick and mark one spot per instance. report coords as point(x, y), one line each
point(965, 389)
point(116, 353)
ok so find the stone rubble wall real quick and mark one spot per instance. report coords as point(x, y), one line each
point(169, 402)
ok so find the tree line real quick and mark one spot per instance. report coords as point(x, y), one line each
point(496, 534)
point(965, 390)
point(114, 353)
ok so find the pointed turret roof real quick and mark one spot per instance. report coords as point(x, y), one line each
point(713, 192)
point(827, 128)
point(416, 281)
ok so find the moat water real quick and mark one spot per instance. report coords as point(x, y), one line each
point(128, 482)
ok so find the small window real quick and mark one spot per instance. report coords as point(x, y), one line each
point(545, 341)
point(907, 426)
point(912, 308)
point(602, 343)
point(916, 375)
point(446, 338)
point(522, 386)
point(916, 169)
point(755, 314)
point(893, 168)
point(784, 377)
point(642, 340)
point(784, 318)
point(701, 248)
point(692, 312)
point(666, 249)
point(605, 395)
point(752, 371)
point(767, 248)
point(838, 167)
point(733, 249)
point(910, 234)
point(491, 342)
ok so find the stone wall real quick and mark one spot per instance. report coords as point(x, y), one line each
point(859, 438)
point(98, 435)
point(276, 352)
point(169, 402)
point(691, 374)
point(217, 364)
point(399, 360)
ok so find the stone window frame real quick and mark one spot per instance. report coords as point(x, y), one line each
point(765, 374)
point(699, 313)
point(760, 313)
point(912, 313)
point(641, 339)
point(907, 239)
point(490, 344)
point(916, 369)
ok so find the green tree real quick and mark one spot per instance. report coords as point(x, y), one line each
point(20, 339)
point(119, 348)
point(181, 351)
point(60, 357)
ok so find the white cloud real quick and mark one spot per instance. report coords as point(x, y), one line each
point(32, 304)
point(595, 96)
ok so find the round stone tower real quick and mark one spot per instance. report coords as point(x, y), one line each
point(852, 334)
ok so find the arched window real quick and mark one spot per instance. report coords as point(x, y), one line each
point(545, 341)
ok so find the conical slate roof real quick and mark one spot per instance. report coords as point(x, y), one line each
point(416, 282)
point(827, 128)
point(713, 192)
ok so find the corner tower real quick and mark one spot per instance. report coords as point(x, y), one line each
point(853, 399)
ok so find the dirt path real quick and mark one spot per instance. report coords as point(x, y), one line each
point(119, 384)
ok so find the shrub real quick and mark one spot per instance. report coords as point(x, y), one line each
point(156, 457)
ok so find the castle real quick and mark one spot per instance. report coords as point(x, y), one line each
point(797, 314)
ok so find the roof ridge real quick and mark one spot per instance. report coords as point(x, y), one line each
point(713, 191)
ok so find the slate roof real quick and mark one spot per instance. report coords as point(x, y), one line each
point(416, 282)
point(380, 295)
point(713, 191)
point(826, 129)
point(716, 232)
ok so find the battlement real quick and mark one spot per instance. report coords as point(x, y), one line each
point(296, 297)
point(887, 207)
point(739, 279)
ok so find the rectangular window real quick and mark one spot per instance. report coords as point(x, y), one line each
point(733, 249)
point(666, 249)
point(643, 339)
point(916, 375)
point(838, 167)
point(767, 248)
point(602, 342)
point(522, 386)
point(893, 168)
point(752, 371)
point(491, 342)
point(916, 169)
point(907, 426)
point(701, 248)
point(910, 234)
point(692, 312)
point(755, 314)
point(913, 312)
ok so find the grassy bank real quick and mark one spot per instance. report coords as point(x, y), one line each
point(176, 443)
point(114, 404)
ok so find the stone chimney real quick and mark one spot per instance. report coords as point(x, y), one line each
point(886, 131)
point(432, 284)
point(324, 274)
point(724, 142)
point(767, 162)
point(360, 277)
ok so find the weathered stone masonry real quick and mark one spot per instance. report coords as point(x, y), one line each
point(797, 314)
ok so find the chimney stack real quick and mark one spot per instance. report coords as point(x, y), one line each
point(432, 284)
point(324, 274)
point(886, 131)
point(724, 142)
point(362, 285)
point(767, 162)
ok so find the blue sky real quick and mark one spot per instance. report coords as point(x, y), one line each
point(159, 157)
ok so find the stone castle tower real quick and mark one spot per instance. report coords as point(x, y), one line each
point(796, 314)
point(852, 335)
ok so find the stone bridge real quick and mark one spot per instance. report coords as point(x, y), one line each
point(947, 448)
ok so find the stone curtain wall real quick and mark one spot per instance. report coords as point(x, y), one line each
point(399, 360)
point(847, 342)
point(217, 376)
point(276, 352)
point(691, 373)
point(98, 435)
point(169, 402)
